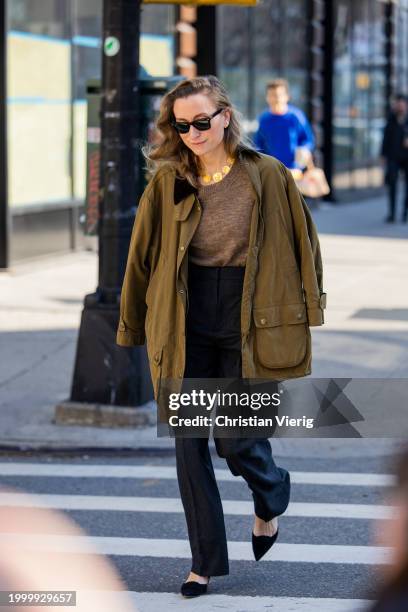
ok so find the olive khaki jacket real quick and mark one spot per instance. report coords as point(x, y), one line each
point(282, 292)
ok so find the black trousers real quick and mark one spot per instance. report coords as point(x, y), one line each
point(392, 175)
point(213, 350)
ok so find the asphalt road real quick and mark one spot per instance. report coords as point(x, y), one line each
point(325, 557)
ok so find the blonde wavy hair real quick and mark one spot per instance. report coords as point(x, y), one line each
point(169, 147)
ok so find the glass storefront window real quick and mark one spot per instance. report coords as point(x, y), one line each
point(359, 85)
point(256, 46)
point(41, 17)
point(157, 52)
point(277, 25)
point(54, 48)
point(233, 23)
point(86, 64)
point(401, 47)
point(39, 101)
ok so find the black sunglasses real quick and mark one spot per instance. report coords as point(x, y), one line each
point(183, 127)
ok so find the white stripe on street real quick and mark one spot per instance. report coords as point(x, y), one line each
point(237, 551)
point(171, 602)
point(343, 479)
point(71, 470)
point(170, 504)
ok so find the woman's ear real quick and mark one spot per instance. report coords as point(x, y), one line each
point(227, 118)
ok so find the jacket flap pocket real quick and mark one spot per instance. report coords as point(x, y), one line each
point(280, 342)
point(285, 314)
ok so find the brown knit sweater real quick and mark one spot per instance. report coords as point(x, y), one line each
point(222, 236)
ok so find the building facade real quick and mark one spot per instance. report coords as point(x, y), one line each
point(343, 60)
point(53, 47)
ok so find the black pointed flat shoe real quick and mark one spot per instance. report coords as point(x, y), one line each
point(261, 544)
point(193, 588)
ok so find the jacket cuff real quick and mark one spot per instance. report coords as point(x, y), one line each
point(315, 314)
point(129, 337)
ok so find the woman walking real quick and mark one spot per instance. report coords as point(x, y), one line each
point(223, 280)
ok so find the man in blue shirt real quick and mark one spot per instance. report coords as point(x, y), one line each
point(284, 131)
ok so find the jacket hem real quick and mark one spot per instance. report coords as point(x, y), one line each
point(130, 338)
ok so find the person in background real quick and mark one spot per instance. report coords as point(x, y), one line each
point(394, 154)
point(392, 592)
point(284, 131)
point(45, 550)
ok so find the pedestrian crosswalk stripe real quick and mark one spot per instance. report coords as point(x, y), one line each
point(64, 470)
point(237, 551)
point(167, 504)
point(150, 602)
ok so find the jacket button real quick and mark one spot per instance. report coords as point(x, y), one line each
point(181, 291)
point(182, 248)
point(299, 315)
point(198, 208)
point(263, 321)
point(122, 326)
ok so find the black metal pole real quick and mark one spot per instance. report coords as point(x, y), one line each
point(69, 17)
point(120, 121)
point(390, 35)
point(329, 23)
point(251, 64)
point(311, 51)
point(206, 45)
point(104, 372)
point(4, 210)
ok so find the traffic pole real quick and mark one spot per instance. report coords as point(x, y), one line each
point(5, 221)
point(104, 372)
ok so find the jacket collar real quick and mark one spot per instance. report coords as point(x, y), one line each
point(182, 189)
point(250, 162)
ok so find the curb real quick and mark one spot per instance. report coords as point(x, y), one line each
point(105, 415)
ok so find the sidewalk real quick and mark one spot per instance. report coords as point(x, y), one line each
point(365, 334)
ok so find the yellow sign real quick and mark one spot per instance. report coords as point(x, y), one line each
point(363, 80)
point(202, 2)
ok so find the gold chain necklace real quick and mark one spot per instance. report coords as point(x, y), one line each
point(218, 176)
